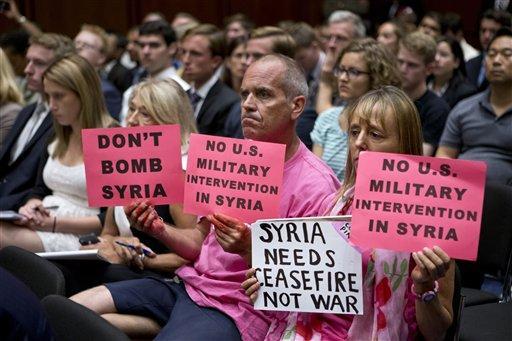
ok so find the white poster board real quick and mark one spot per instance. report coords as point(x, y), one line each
point(307, 265)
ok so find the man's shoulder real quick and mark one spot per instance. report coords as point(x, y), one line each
point(470, 103)
point(223, 91)
point(432, 102)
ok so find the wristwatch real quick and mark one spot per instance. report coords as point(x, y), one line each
point(427, 296)
point(22, 19)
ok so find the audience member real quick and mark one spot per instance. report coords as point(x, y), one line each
point(431, 24)
point(389, 35)
point(92, 44)
point(237, 25)
point(208, 297)
point(448, 79)
point(12, 12)
point(15, 45)
point(404, 315)
point(310, 57)
point(234, 67)
point(478, 128)
point(183, 22)
point(416, 58)
point(130, 58)
point(202, 53)
point(157, 45)
point(490, 23)
point(153, 16)
point(11, 98)
point(362, 66)
point(344, 26)
point(452, 27)
point(27, 138)
point(114, 70)
point(72, 88)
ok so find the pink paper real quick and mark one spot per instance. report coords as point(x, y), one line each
point(440, 199)
point(127, 164)
point(241, 178)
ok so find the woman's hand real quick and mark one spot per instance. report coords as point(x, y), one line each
point(118, 254)
point(251, 285)
point(232, 234)
point(431, 264)
point(142, 216)
point(34, 211)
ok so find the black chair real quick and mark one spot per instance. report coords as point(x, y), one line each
point(494, 250)
point(74, 322)
point(492, 321)
point(40, 275)
point(452, 334)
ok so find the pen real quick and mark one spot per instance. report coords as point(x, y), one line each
point(37, 208)
point(130, 246)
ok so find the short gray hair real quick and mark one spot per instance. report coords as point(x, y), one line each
point(293, 80)
point(347, 16)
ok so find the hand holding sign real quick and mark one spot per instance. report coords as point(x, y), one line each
point(144, 218)
point(251, 285)
point(232, 234)
point(431, 264)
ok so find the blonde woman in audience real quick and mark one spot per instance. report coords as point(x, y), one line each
point(11, 98)
point(57, 211)
point(153, 102)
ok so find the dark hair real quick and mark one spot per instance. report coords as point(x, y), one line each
point(502, 17)
point(502, 32)
point(227, 77)
point(456, 51)
point(159, 27)
point(434, 15)
point(302, 33)
point(451, 22)
point(241, 18)
point(16, 40)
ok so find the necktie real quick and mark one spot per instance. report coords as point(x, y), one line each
point(194, 99)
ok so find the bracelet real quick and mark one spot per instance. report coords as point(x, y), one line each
point(22, 19)
point(427, 296)
point(54, 224)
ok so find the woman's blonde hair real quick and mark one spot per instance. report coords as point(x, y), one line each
point(373, 105)
point(76, 74)
point(381, 64)
point(9, 91)
point(167, 103)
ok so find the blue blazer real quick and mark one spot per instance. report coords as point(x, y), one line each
point(113, 99)
point(18, 179)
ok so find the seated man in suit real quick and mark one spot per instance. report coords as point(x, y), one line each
point(26, 141)
point(92, 44)
point(490, 23)
point(202, 55)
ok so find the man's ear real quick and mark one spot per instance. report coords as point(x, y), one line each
point(298, 104)
point(172, 48)
point(429, 68)
point(217, 61)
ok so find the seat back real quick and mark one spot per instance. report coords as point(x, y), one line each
point(40, 275)
point(74, 322)
point(495, 246)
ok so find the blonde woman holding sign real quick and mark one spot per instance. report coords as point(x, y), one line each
point(56, 211)
point(416, 302)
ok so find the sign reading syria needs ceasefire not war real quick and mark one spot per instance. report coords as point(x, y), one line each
point(127, 164)
point(307, 264)
point(404, 203)
point(241, 178)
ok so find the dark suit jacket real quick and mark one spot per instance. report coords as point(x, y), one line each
point(113, 98)
point(18, 179)
point(217, 105)
point(473, 69)
point(120, 77)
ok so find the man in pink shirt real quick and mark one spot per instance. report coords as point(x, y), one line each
point(209, 302)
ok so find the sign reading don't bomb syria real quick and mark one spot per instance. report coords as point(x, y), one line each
point(127, 164)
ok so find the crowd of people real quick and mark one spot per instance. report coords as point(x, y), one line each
point(327, 93)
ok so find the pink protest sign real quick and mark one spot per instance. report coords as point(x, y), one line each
point(241, 178)
point(127, 164)
point(405, 202)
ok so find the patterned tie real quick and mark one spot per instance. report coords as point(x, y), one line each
point(194, 99)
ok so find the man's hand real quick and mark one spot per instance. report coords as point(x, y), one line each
point(232, 234)
point(251, 285)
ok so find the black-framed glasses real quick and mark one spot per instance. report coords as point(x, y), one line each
point(350, 72)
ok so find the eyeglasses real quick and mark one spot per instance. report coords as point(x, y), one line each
point(350, 72)
point(79, 45)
